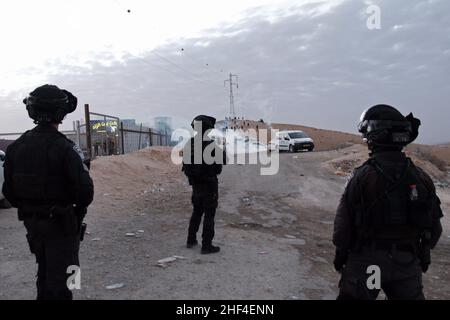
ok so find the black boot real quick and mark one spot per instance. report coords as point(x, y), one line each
point(191, 243)
point(210, 249)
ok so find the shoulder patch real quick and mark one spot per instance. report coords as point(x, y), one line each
point(78, 150)
point(349, 177)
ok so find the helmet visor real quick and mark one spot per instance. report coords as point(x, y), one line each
point(368, 126)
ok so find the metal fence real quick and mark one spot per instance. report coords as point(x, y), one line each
point(108, 135)
point(103, 134)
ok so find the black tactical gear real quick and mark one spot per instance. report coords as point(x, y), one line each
point(388, 206)
point(203, 178)
point(45, 178)
point(48, 103)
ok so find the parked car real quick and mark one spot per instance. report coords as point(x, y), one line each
point(291, 141)
point(3, 202)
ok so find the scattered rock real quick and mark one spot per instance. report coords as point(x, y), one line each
point(250, 225)
point(115, 286)
point(441, 184)
point(295, 242)
point(246, 201)
point(340, 173)
point(320, 259)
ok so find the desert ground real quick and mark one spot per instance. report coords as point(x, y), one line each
point(274, 231)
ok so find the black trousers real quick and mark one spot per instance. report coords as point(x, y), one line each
point(204, 201)
point(400, 276)
point(55, 242)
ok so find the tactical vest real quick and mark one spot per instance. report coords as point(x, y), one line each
point(398, 208)
point(37, 164)
point(201, 172)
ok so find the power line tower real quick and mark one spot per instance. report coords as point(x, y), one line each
point(230, 81)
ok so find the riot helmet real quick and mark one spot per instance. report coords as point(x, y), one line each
point(49, 104)
point(383, 125)
point(207, 122)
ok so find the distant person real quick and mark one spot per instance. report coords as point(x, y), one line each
point(389, 215)
point(203, 179)
point(46, 179)
point(96, 145)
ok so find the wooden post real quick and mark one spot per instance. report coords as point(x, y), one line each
point(87, 118)
point(121, 137)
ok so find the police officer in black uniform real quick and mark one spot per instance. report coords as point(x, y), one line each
point(389, 215)
point(47, 180)
point(202, 174)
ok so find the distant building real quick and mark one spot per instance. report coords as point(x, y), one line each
point(163, 124)
point(128, 122)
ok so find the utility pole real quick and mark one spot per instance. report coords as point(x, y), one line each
point(230, 80)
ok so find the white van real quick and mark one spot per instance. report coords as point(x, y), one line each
point(292, 141)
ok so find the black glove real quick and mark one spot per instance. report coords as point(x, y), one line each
point(340, 259)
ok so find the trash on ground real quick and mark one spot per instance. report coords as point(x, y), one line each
point(167, 260)
point(115, 286)
point(163, 263)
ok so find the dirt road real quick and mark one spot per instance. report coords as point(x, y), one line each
point(274, 232)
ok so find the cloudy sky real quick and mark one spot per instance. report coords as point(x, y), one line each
point(308, 62)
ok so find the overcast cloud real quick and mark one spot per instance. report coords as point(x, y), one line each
point(314, 64)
